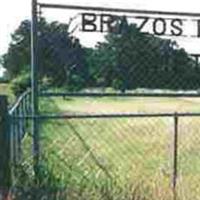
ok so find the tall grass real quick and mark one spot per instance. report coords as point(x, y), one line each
point(117, 159)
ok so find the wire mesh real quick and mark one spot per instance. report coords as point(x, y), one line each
point(123, 57)
point(119, 157)
point(189, 157)
point(100, 158)
point(123, 52)
point(21, 139)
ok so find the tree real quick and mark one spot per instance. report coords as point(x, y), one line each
point(61, 57)
point(130, 59)
point(18, 56)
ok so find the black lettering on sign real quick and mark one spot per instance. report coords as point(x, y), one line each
point(88, 22)
point(107, 20)
point(144, 22)
point(92, 22)
point(161, 24)
point(177, 24)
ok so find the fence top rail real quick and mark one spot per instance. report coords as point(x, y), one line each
point(18, 102)
point(89, 94)
point(104, 116)
point(121, 10)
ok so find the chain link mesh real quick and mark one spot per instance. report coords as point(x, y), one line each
point(125, 153)
point(86, 155)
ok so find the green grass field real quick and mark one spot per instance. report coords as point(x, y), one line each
point(130, 158)
point(128, 104)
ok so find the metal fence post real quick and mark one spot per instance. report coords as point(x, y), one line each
point(34, 85)
point(175, 156)
point(18, 135)
point(5, 167)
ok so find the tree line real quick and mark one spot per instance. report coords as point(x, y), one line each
point(127, 59)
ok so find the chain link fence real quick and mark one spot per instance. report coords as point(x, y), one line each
point(113, 147)
point(21, 149)
point(99, 138)
point(88, 49)
point(124, 157)
point(105, 155)
point(116, 158)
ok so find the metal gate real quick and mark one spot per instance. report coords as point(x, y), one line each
point(114, 109)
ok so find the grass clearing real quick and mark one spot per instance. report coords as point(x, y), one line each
point(132, 155)
point(125, 105)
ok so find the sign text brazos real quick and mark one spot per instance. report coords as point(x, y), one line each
point(161, 26)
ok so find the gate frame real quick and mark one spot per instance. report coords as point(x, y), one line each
point(34, 85)
point(36, 9)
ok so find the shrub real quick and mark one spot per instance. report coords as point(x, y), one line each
point(20, 83)
point(43, 186)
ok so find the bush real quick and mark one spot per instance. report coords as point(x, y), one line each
point(118, 84)
point(20, 83)
point(75, 83)
point(43, 186)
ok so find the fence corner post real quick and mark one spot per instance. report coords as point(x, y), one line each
point(5, 168)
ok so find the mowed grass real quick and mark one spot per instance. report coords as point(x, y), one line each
point(127, 104)
point(134, 155)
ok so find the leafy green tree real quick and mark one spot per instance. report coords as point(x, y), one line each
point(61, 57)
point(18, 57)
point(130, 59)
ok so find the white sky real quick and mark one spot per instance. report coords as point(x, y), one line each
point(12, 12)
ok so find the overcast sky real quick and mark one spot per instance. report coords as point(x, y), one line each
point(12, 12)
